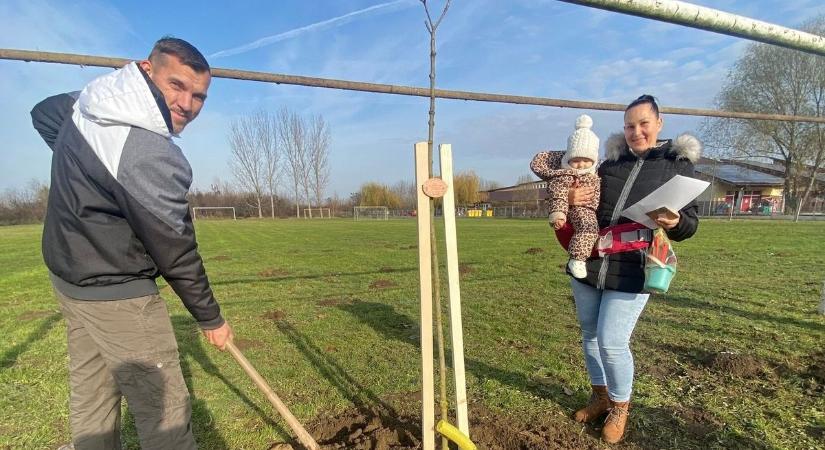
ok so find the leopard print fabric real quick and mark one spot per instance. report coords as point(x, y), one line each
point(547, 165)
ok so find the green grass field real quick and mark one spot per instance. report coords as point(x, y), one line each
point(327, 311)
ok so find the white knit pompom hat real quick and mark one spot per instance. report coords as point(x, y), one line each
point(583, 143)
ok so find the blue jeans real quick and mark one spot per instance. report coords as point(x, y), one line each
point(607, 319)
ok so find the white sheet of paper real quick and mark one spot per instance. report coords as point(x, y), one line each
point(674, 194)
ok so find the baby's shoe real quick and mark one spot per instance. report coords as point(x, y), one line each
point(577, 268)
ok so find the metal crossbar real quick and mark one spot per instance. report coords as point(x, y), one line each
point(101, 61)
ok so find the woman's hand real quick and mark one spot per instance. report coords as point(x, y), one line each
point(666, 223)
point(580, 196)
point(558, 224)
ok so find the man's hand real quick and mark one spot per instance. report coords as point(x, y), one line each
point(580, 196)
point(558, 223)
point(219, 336)
point(666, 223)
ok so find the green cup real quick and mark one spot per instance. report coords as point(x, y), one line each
point(657, 278)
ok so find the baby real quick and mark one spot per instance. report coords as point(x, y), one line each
point(561, 170)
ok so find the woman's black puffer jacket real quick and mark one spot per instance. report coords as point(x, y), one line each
point(626, 179)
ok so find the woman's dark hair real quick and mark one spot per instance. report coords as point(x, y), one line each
point(184, 51)
point(649, 99)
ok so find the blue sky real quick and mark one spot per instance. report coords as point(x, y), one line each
point(523, 47)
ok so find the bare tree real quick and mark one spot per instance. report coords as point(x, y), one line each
point(305, 146)
point(776, 80)
point(318, 155)
point(292, 139)
point(816, 136)
point(247, 161)
point(432, 27)
point(268, 141)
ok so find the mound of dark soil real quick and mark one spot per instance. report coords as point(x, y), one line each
point(376, 429)
point(735, 364)
point(366, 430)
point(534, 251)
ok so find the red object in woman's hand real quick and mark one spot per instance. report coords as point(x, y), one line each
point(565, 234)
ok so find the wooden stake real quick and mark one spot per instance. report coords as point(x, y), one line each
point(456, 329)
point(303, 436)
point(425, 277)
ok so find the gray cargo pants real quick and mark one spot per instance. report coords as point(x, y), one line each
point(125, 348)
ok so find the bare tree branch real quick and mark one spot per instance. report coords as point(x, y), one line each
point(268, 142)
point(774, 80)
point(319, 137)
point(436, 277)
point(292, 136)
point(247, 156)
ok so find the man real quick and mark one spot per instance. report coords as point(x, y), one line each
point(118, 218)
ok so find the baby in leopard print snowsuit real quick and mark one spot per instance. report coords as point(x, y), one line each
point(561, 170)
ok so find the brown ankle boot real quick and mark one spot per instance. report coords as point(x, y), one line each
point(616, 421)
point(598, 405)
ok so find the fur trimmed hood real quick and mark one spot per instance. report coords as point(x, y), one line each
point(685, 146)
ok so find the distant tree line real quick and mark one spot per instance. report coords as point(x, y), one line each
point(466, 188)
point(28, 204)
point(25, 205)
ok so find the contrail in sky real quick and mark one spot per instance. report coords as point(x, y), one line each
point(335, 21)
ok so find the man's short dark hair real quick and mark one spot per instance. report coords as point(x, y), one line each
point(184, 51)
point(645, 98)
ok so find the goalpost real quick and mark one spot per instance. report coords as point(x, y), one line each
point(370, 213)
point(313, 213)
point(204, 210)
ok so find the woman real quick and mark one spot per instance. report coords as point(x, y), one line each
point(610, 300)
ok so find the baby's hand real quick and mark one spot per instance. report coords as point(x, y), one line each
point(558, 224)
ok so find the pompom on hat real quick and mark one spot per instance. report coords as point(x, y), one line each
point(583, 143)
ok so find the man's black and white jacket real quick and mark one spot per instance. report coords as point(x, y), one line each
point(117, 216)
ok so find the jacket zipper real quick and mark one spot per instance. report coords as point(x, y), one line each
point(617, 212)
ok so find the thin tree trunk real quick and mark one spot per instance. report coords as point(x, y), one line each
point(820, 154)
point(436, 278)
point(297, 203)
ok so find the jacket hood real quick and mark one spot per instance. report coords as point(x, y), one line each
point(123, 97)
point(685, 146)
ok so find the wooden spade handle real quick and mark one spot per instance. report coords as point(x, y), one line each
point(302, 434)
